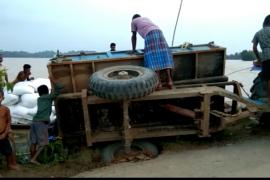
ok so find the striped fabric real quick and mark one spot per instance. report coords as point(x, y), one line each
point(157, 54)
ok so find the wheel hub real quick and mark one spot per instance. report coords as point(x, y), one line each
point(123, 75)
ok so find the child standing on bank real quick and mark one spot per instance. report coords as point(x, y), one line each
point(6, 134)
point(39, 126)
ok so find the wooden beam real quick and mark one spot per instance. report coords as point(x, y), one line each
point(126, 127)
point(196, 65)
point(72, 78)
point(236, 90)
point(87, 124)
point(60, 132)
point(205, 106)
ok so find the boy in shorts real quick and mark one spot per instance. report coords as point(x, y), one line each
point(41, 120)
point(6, 134)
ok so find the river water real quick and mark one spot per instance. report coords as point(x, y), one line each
point(14, 65)
point(237, 70)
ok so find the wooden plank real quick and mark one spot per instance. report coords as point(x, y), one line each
point(102, 136)
point(207, 80)
point(72, 78)
point(224, 59)
point(205, 106)
point(93, 67)
point(70, 95)
point(183, 90)
point(196, 65)
point(225, 93)
point(126, 127)
point(60, 132)
point(87, 121)
point(236, 90)
point(234, 119)
point(140, 133)
point(164, 94)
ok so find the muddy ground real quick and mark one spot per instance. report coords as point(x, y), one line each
point(207, 152)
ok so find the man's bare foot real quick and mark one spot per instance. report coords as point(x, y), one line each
point(159, 87)
point(34, 162)
point(170, 85)
point(14, 167)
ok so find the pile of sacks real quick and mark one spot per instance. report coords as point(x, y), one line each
point(22, 101)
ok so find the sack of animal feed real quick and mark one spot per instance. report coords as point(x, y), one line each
point(19, 111)
point(24, 87)
point(10, 99)
point(29, 100)
point(41, 81)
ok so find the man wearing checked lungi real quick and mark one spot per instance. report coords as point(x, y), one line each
point(157, 54)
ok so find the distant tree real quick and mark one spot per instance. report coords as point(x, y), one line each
point(235, 56)
point(23, 54)
point(247, 55)
point(41, 54)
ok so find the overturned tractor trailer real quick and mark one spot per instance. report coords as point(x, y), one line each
point(110, 96)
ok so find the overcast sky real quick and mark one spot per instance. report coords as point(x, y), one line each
point(37, 25)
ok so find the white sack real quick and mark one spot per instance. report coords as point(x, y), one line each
point(24, 87)
point(32, 111)
point(19, 111)
point(29, 100)
point(10, 99)
point(52, 118)
point(21, 121)
point(41, 81)
point(53, 109)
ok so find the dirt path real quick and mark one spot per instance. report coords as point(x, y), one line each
point(249, 158)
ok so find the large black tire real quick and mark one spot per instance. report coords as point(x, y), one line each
point(109, 152)
point(259, 88)
point(123, 82)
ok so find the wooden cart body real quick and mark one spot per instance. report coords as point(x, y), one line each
point(196, 104)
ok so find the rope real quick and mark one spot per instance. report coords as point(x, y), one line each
point(241, 84)
point(245, 92)
point(177, 20)
point(238, 70)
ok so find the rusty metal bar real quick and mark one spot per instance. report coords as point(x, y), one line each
point(179, 110)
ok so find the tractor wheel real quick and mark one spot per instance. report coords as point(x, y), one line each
point(123, 82)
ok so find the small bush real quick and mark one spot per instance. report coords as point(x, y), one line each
point(53, 153)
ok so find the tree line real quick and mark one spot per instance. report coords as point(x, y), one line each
point(245, 55)
point(24, 54)
point(42, 54)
